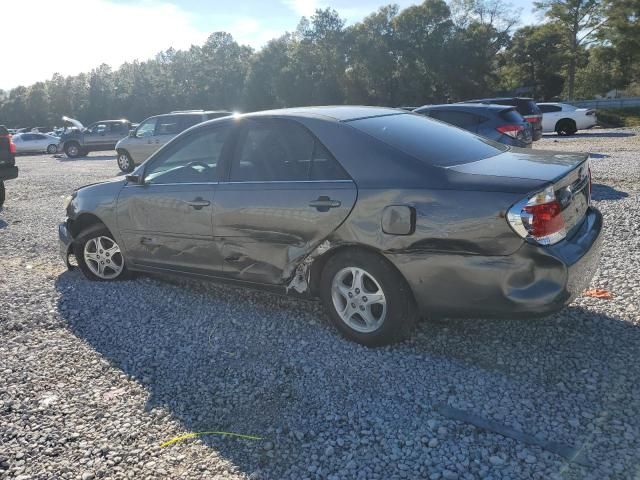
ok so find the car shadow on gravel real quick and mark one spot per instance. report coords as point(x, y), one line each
point(601, 135)
point(64, 158)
point(229, 359)
point(600, 191)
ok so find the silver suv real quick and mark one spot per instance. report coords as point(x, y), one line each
point(155, 131)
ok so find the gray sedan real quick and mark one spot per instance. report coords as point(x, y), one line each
point(385, 215)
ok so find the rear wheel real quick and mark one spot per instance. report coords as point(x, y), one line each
point(367, 299)
point(52, 149)
point(72, 150)
point(99, 256)
point(566, 127)
point(124, 162)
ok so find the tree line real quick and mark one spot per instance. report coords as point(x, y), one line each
point(433, 52)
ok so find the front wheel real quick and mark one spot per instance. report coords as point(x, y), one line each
point(368, 300)
point(72, 150)
point(125, 163)
point(99, 256)
point(51, 149)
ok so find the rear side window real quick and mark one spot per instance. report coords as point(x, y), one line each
point(459, 119)
point(511, 115)
point(168, 125)
point(431, 142)
point(549, 108)
point(528, 107)
point(276, 150)
point(187, 121)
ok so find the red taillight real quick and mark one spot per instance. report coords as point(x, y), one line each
point(511, 130)
point(546, 219)
point(12, 146)
point(539, 218)
point(533, 118)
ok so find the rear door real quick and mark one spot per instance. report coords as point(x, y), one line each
point(284, 194)
point(117, 131)
point(550, 116)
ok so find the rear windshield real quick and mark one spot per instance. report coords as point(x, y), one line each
point(528, 107)
point(511, 115)
point(432, 142)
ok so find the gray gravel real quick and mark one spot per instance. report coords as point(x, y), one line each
point(95, 376)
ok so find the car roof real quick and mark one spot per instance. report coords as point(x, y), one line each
point(468, 107)
point(194, 112)
point(341, 113)
point(489, 99)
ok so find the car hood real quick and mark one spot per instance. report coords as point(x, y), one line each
point(73, 121)
point(542, 165)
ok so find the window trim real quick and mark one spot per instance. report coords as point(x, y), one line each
point(179, 138)
point(240, 130)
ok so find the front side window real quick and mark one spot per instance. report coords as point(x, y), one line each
point(192, 159)
point(146, 128)
point(278, 150)
point(168, 125)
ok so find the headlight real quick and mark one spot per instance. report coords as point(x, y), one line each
point(67, 200)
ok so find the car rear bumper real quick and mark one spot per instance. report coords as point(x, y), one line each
point(533, 281)
point(8, 172)
point(65, 240)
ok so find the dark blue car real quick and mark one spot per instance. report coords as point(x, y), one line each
point(498, 122)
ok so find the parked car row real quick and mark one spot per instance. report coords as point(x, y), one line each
point(383, 214)
point(485, 117)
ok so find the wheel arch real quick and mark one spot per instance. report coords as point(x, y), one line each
point(319, 263)
point(83, 222)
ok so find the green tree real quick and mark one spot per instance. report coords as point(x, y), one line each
point(580, 20)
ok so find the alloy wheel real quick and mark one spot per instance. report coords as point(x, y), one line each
point(359, 299)
point(123, 162)
point(103, 257)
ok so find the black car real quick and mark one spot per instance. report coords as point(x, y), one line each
point(385, 215)
point(8, 169)
point(497, 122)
point(526, 107)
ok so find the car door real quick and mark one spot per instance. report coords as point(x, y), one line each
point(41, 142)
point(167, 127)
point(117, 131)
point(140, 146)
point(284, 194)
point(550, 116)
point(166, 221)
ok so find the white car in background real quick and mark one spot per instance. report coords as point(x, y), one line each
point(566, 119)
point(35, 142)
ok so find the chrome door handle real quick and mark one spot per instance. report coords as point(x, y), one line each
point(324, 203)
point(199, 203)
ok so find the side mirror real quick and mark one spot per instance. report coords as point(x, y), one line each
point(137, 179)
point(132, 133)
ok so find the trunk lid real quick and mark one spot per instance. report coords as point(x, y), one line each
point(543, 165)
point(564, 177)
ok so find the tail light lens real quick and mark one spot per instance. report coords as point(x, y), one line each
point(590, 112)
point(539, 218)
point(533, 118)
point(511, 130)
point(12, 146)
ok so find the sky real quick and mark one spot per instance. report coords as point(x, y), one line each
point(73, 36)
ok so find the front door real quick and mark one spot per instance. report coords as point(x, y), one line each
point(166, 222)
point(141, 146)
point(284, 195)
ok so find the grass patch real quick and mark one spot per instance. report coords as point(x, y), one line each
point(619, 117)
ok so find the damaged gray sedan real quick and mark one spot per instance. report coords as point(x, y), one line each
point(385, 215)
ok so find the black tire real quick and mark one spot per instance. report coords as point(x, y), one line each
point(401, 313)
point(566, 127)
point(79, 244)
point(125, 163)
point(52, 149)
point(72, 149)
point(2, 193)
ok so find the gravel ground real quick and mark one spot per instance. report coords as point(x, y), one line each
point(94, 377)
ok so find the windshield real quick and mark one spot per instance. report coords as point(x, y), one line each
point(433, 142)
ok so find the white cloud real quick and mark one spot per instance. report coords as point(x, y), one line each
point(304, 8)
point(77, 35)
